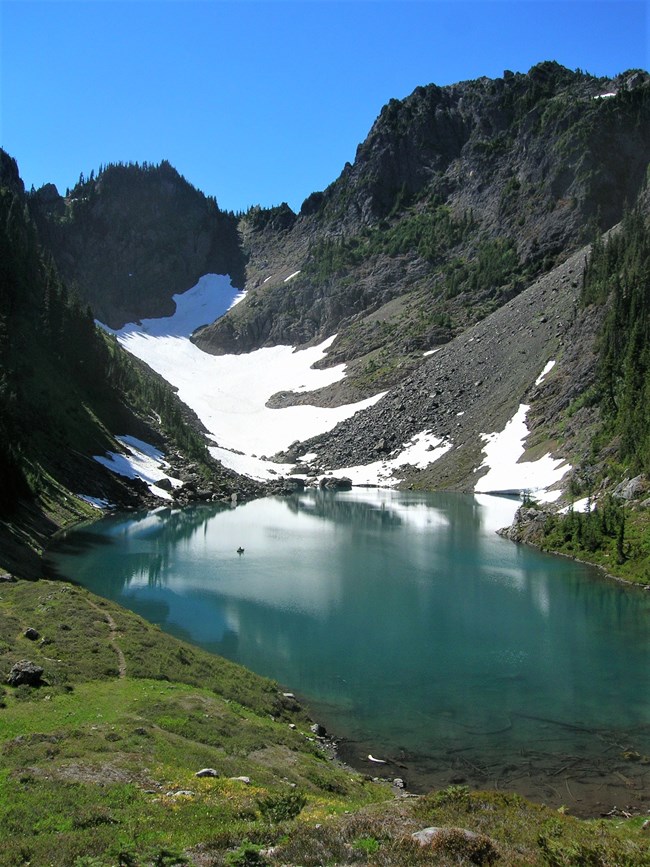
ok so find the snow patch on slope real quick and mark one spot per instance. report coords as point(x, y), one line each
point(547, 369)
point(98, 502)
point(506, 474)
point(229, 393)
point(503, 450)
point(212, 296)
point(423, 449)
point(141, 461)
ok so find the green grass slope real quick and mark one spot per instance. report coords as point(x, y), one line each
point(98, 765)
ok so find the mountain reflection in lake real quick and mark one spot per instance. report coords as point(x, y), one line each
point(410, 628)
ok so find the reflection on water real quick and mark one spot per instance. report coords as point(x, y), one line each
point(408, 625)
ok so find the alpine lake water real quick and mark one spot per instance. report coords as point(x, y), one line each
point(409, 628)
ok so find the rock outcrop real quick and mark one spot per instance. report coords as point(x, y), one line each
point(534, 163)
point(135, 235)
point(25, 672)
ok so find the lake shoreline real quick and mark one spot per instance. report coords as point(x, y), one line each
point(465, 764)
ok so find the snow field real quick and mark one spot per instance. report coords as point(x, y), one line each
point(423, 449)
point(229, 393)
point(507, 474)
point(141, 461)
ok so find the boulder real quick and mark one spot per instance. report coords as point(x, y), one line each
point(336, 483)
point(25, 672)
point(631, 489)
point(429, 835)
point(31, 633)
point(207, 772)
point(462, 844)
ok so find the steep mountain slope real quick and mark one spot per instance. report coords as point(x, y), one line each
point(66, 390)
point(471, 385)
point(457, 199)
point(133, 236)
point(460, 229)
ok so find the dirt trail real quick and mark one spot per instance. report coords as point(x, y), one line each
point(112, 637)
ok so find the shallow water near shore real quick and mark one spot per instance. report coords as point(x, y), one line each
point(411, 630)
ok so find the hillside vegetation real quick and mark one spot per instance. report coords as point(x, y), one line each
point(133, 236)
point(615, 531)
point(67, 389)
point(98, 765)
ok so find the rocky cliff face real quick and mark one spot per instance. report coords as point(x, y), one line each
point(134, 236)
point(458, 198)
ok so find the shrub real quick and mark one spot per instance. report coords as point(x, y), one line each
point(281, 808)
point(247, 855)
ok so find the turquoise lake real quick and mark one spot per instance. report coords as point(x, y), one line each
point(410, 629)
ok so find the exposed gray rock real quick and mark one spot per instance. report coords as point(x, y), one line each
point(526, 526)
point(481, 147)
point(25, 672)
point(631, 489)
point(428, 835)
point(336, 483)
point(466, 845)
point(207, 772)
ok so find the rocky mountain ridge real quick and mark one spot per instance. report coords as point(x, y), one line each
point(460, 229)
point(135, 235)
point(458, 197)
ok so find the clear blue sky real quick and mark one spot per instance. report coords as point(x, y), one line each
point(263, 101)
